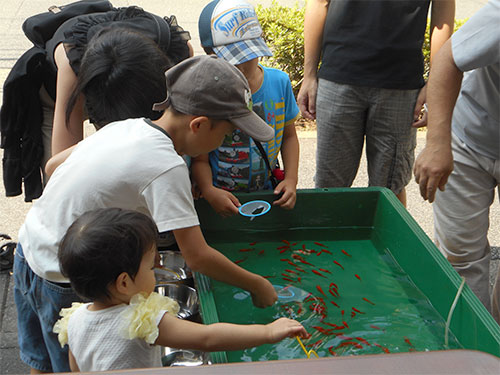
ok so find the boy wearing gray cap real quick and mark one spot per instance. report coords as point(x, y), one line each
point(230, 29)
point(136, 164)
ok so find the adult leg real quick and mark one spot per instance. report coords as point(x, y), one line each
point(340, 117)
point(495, 299)
point(461, 217)
point(495, 295)
point(390, 139)
point(402, 196)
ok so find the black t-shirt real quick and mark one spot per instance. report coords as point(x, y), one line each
point(375, 43)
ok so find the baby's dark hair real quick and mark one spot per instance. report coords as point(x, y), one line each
point(100, 245)
point(122, 74)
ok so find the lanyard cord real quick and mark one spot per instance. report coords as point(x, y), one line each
point(263, 154)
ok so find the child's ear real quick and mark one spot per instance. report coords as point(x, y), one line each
point(123, 283)
point(197, 122)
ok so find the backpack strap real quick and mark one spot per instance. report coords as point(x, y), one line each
point(263, 153)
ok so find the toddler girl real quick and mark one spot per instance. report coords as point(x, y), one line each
point(109, 256)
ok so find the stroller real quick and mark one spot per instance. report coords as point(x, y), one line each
point(7, 253)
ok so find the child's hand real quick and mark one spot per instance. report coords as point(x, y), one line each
point(222, 201)
point(289, 197)
point(264, 294)
point(283, 328)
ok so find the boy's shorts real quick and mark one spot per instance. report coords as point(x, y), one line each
point(346, 114)
point(38, 303)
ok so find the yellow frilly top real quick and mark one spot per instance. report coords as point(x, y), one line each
point(61, 326)
point(140, 317)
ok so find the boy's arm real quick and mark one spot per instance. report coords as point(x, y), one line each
point(441, 28)
point(66, 136)
point(202, 258)
point(314, 23)
point(184, 334)
point(290, 156)
point(223, 202)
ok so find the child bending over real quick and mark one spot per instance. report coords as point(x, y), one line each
point(109, 257)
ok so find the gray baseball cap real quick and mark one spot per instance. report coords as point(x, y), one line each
point(212, 87)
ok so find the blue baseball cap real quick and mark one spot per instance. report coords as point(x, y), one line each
point(232, 30)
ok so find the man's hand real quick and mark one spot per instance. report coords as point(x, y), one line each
point(419, 117)
point(432, 168)
point(306, 98)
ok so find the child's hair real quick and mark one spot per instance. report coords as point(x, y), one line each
point(100, 245)
point(122, 74)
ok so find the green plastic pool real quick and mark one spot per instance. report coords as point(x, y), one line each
point(354, 268)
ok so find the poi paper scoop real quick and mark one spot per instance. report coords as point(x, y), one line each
point(253, 209)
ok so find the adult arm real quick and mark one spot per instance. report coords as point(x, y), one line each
point(473, 46)
point(290, 155)
point(435, 162)
point(442, 23)
point(441, 28)
point(202, 258)
point(222, 201)
point(56, 160)
point(314, 23)
point(184, 334)
point(66, 135)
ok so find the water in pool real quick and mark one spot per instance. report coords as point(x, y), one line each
point(352, 297)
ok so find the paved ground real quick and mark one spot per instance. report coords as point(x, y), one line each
point(13, 210)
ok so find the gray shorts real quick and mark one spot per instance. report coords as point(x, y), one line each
point(347, 114)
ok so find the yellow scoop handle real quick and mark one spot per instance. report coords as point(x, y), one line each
point(308, 353)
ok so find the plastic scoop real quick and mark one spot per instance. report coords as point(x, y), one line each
point(308, 352)
point(253, 209)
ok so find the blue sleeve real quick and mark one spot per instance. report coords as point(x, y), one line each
point(291, 107)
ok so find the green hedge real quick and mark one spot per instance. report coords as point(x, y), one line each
point(283, 29)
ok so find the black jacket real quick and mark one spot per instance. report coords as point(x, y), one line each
point(20, 126)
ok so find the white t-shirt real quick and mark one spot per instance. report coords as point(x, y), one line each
point(476, 50)
point(94, 338)
point(129, 164)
